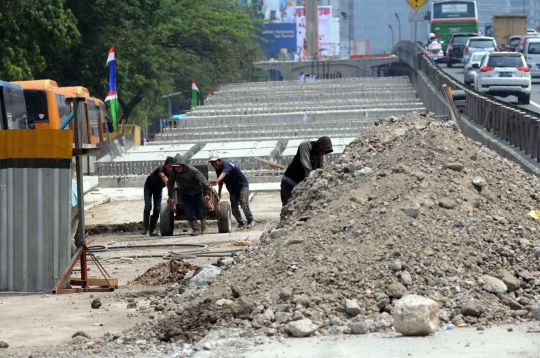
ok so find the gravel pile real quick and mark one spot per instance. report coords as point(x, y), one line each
point(412, 207)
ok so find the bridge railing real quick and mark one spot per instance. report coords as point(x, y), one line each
point(515, 125)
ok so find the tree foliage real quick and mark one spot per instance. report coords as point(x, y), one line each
point(33, 33)
point(160, 46)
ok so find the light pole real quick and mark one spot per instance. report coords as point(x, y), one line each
point(399, 24)
point(391, 29)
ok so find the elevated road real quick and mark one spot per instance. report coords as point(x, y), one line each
point(457, 73)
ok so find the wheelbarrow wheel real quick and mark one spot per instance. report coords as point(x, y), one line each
point(166, 220)
point(224, 219)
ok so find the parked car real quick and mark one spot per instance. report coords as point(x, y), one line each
point(504, 74)
point(531, 52)
point(531, 32)
point(479, 44)
point(454, 51)
point(469, 71)
point(525, 39)
point(513, 43)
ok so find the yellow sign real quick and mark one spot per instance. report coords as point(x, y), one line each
point(416, 4)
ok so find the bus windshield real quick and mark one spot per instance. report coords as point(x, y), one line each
point(36, 105)
point(15, 109)
point(453, 10)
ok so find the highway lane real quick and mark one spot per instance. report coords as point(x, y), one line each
point(457, 72)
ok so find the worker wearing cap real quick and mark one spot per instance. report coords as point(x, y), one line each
point(238, 188)
point(194, 189)
point(308, 157)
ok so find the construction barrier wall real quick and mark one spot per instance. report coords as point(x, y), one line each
point(35, 208)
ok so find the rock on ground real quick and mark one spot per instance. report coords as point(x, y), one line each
point(416, 316)
point(493, 284)
point(96, 303)
point(207, 272)
point(302, 328)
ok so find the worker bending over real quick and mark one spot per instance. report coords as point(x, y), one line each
point(192, 184)
point(153, 188)
point(308, 157)
point(238, 188)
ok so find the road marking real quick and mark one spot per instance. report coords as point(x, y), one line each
point(534, 104)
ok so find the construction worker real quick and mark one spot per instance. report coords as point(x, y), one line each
point(238, 188)
point(193, 185)
point(308, 157)
point(153, 188)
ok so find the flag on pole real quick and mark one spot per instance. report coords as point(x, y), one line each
point(112, 96)
point(194, 90)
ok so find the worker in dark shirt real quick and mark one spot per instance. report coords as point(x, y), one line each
point(194, 190)
point(153, 188)
point(308, 157)
point(238, 188)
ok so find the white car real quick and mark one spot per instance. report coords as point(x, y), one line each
point(469, 73)
point(479, 44)
point(504, 74)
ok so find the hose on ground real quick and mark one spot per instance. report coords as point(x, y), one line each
point(191, 254)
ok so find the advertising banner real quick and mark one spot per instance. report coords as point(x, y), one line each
point(279, 36)
point(276, 10)
point(325, 30)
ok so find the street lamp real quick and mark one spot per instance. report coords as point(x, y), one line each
point(391, 29)
point(399, 23)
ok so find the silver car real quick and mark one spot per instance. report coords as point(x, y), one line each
point(479, 44)
point(469, 71)
point(504, 74)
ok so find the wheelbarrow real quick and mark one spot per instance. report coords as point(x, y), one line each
point(216, 209)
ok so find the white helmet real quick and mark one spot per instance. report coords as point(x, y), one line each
point(431, 35)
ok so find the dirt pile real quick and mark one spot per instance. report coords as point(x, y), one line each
point(166, 273)
point(413, 207)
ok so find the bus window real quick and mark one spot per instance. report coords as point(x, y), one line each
point(14, 108)
point(94, 119)
point(63, 108)
point(36, 105)
point(103, 116)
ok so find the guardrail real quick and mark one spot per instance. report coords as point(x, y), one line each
point(514, 125)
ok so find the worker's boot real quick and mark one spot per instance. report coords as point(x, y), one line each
point(203, 226)
point(153, 224)
point(145, 222)
point(196, 228)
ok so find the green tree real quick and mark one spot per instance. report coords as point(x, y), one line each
point(33, 34)
point(160, 46)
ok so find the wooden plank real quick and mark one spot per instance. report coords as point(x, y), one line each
point(275, 165)
point(95, 281)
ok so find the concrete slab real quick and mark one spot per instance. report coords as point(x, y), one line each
point(220, 146)
point(127, 194)
point(233, 153)
point(338, 145)
point(148, 156)
point(89, 183)
point(162, 147)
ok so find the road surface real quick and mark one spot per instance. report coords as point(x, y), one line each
point(457, 72)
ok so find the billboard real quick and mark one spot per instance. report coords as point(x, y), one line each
point(325, 30)
point(280, 11)
point(279, 36)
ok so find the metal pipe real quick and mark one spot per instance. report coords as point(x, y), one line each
point(79, 240)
